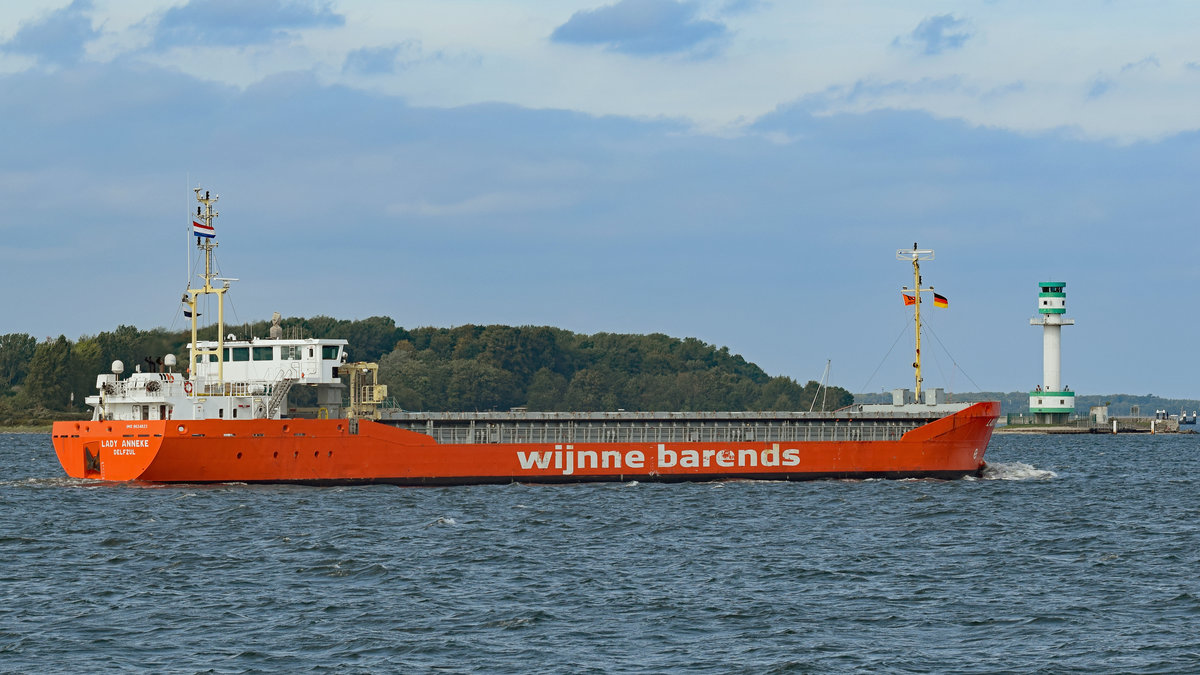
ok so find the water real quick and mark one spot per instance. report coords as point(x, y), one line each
point(1074, 554)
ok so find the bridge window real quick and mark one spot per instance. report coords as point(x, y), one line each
point(263, 353)
point(241, 353)
point(329, 352)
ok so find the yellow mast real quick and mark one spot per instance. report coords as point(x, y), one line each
point(206, 215)
point(916, 255)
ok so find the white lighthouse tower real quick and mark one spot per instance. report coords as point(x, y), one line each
point(1051, 403)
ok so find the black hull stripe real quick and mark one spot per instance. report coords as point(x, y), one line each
point(669, 478)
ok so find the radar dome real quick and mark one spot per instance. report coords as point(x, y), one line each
point(118, 367)
point(169, 360)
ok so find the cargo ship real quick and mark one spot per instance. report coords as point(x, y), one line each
point(227, 418)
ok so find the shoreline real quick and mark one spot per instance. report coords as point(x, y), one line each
point(1041, 430)
point(1088, 430)
point(27, 429)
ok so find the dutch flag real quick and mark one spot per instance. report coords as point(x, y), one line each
point(202, 230)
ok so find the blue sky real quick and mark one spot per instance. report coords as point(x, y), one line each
point(741, 171)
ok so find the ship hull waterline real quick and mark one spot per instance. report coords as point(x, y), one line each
point(326, 452)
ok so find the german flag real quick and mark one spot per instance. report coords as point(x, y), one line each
point(940, 301)
point(908, 299)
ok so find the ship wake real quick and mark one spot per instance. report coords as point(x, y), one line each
point(1016, 471)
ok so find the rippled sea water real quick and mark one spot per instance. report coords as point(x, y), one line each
point(1073, 554)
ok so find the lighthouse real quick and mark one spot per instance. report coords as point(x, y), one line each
point(1051, 402)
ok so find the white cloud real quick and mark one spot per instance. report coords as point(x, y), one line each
point(58, 37)
point(494, 202)
point(237, 23)
point(447, 53)
point(937, 34)
point(641, 27)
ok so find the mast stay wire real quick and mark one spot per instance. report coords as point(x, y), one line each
point(885, 356)
point(186, 285)
point(952, 360)
point(822, 386)
point(936, 361)
point(203, 305)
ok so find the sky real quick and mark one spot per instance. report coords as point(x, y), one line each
point(740, 171)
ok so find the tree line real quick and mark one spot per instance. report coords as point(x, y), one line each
point(466, 368)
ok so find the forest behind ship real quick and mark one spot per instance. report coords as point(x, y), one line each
point(467, 368)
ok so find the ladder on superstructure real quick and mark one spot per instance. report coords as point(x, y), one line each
point(279, 393)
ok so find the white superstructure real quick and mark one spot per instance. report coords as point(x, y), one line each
point(230, 378)
point(258, 375)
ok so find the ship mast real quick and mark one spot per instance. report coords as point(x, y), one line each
point(916, 255)
point(205, 216)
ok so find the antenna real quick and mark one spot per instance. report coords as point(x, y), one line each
point(189, 230)
point(916, 255)
point(205, 242)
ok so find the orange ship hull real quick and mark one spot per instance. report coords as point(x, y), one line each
point(327, 452)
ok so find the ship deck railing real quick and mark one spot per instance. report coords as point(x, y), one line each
point(624, 427)
point(158, 388)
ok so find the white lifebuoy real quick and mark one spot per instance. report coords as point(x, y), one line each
point(187, 387)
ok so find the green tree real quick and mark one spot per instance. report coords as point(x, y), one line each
point(369, 338)
point(16, 351)
point(85, 365)
point(123, 344)
point(592, 389)
point(50, 377)
point(547, 391)
point(477, 385)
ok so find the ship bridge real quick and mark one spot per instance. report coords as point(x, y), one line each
point(306, 361)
